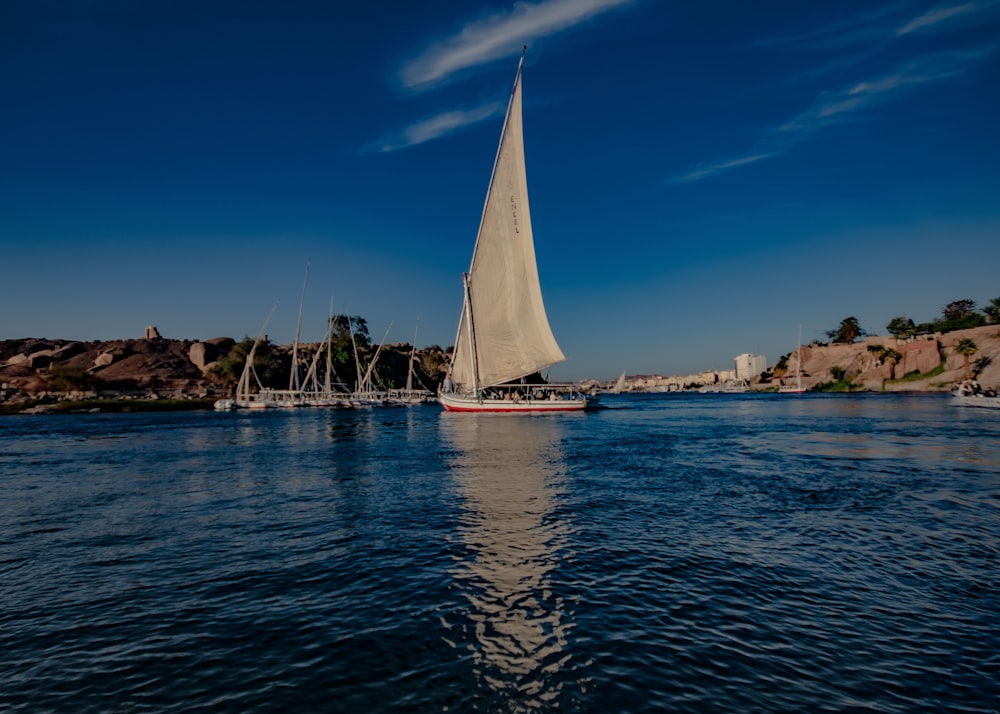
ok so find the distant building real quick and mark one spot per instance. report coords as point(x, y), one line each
point(749, 366)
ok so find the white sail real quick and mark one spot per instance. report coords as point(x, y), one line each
point(504, 333)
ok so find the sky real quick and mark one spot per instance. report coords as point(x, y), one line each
point(704, 178)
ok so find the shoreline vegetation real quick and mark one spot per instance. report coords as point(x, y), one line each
point(156, 374)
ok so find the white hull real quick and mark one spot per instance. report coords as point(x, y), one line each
point(976, 400)
point(469, 403)
point(257, 402)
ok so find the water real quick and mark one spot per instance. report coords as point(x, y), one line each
point(668, 553)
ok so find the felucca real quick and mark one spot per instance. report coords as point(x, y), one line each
point(503, 332)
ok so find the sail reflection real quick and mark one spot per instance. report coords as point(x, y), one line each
point(509, 472)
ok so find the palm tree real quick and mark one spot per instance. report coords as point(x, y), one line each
point(966, 348)
point(891, 357)
point(993, 310)
point(901, 327)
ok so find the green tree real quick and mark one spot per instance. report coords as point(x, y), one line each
point(878, 351)
point(993, 311)
point(848, 332)
point(270, 368)
point(966, 348)
point(227, 369)
point(959, 315)
point(959, 309)
point(901, 327)
point(344, 324)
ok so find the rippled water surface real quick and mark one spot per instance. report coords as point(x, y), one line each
point(666, 553)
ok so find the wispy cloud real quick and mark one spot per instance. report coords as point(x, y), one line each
point(944, 15)
point(835, 107)
point(838, 32)
point(438, 126)
point(704, 171)
point(885, 23)
point(851, 103)
point(499, 36)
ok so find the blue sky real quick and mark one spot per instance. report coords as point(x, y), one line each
point(704, 178)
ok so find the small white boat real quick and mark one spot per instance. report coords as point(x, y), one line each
point(798, 388)
point(970, 394)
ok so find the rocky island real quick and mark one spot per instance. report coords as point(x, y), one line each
point(156, 373)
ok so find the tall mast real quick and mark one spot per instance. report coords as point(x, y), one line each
point(357, 362)
point(413, 352)
point(329, 350)
point(293, 378)
point(473, 357)
point(798, 362)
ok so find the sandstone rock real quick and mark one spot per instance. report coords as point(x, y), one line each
point(198, 355)
point(152, 333)
point(104, 359)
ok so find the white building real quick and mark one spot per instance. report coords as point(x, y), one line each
point(749, 366)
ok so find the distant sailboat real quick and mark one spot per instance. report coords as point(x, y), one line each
point(243, 398)
point(503, 332)
point(798, 388)
point(410, 395)
point(619, 385)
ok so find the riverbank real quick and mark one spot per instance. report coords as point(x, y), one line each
point(930, 363)
point(156, 374)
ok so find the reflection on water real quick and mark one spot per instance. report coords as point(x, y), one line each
point(509, 473)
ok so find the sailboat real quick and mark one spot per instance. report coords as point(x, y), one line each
point(503, 332)
point(411, 395)
point(798, 388)
point(243, 397)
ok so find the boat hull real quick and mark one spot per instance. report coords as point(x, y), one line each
point(980, 400)
point(467, 403)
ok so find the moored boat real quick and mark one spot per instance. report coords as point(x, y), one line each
point(798, 388)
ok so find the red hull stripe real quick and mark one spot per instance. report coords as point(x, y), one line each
point(512, 411)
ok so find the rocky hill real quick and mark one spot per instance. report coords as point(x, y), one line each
point(32, 369)
point(927, 363)
point(179, 368)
